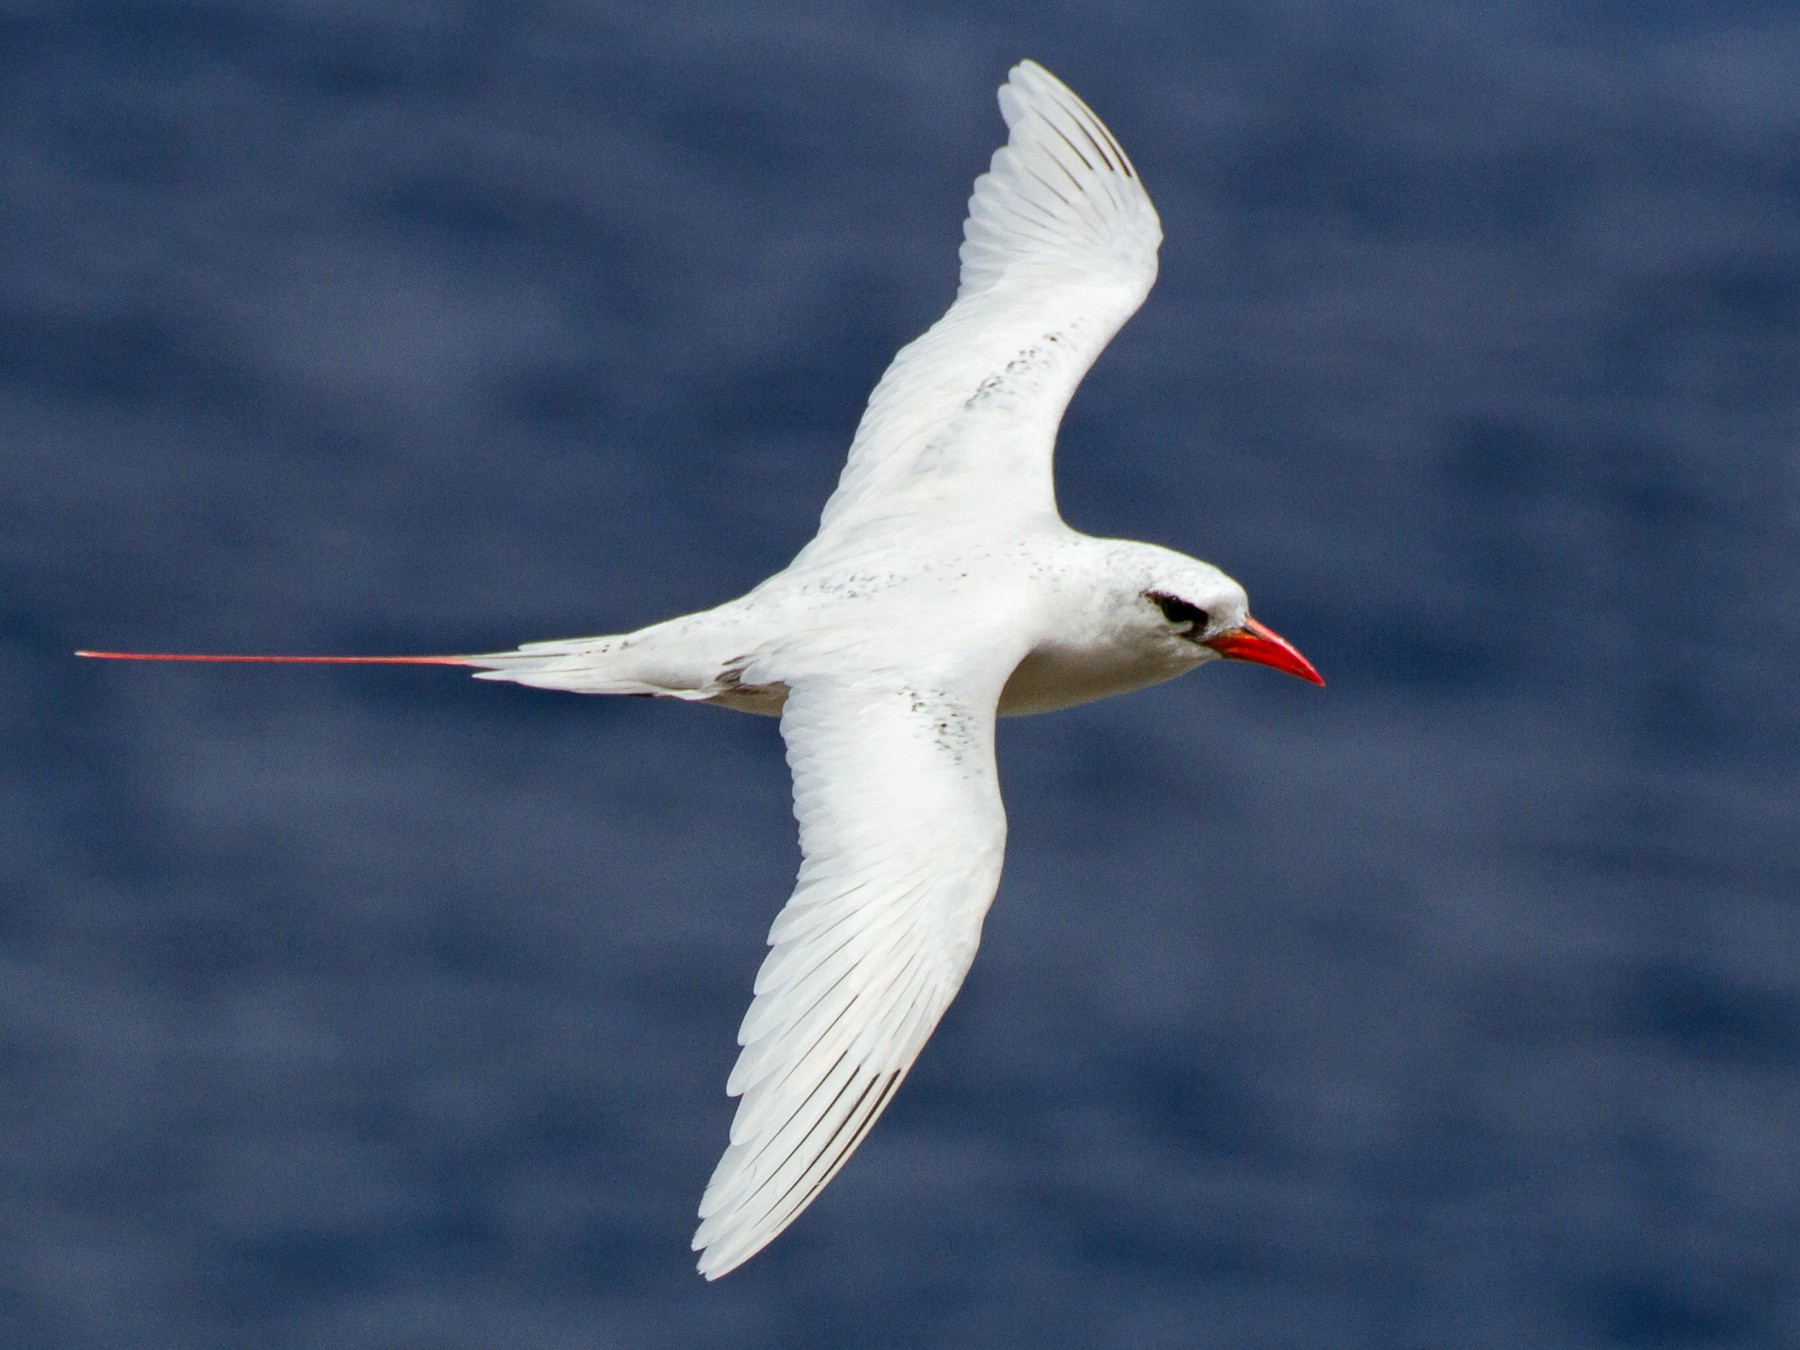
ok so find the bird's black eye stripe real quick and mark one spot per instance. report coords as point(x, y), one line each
point(1177, 610)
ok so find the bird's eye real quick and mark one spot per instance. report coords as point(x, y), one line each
point(1177, 610)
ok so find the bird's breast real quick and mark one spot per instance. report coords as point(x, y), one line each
point(1056, 676)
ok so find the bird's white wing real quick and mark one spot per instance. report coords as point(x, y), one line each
point(902, 833)
point(1059, 251)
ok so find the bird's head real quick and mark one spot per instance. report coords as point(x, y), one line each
point(1192, 609)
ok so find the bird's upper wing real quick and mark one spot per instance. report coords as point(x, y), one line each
point(902, 833)
point(1059, 251)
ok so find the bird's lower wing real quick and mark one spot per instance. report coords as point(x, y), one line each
point(902, 833)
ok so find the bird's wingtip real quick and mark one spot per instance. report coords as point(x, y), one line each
point(712, 1265)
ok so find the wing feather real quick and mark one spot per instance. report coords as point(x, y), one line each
point(1059, 250)
point(902, 832)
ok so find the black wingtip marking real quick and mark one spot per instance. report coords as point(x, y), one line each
point(1052, 191)
point(867, 1124)
point(1105, 144)
point(836, 1159)
point(1098, 148)
point(800, 1142)
point(1073, 148)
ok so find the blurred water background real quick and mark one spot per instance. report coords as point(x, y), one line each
point(1455, 1005)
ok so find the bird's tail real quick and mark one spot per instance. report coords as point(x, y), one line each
point(668, 660)
point(302, 660)
point(621, 664)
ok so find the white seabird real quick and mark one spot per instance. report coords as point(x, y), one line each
point(942, 589)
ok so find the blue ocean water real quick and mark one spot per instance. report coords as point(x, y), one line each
point(1457, 1004)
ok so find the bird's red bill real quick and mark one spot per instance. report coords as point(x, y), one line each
point(1266, 647)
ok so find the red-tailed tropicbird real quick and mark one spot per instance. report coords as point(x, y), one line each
point(942, 588)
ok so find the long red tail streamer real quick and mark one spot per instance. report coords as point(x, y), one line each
point(303, 660)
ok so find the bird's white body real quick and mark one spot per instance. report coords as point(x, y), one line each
point(941, 590)
point(1050, 612)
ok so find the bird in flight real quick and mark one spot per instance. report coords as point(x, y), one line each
point(941, 590)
